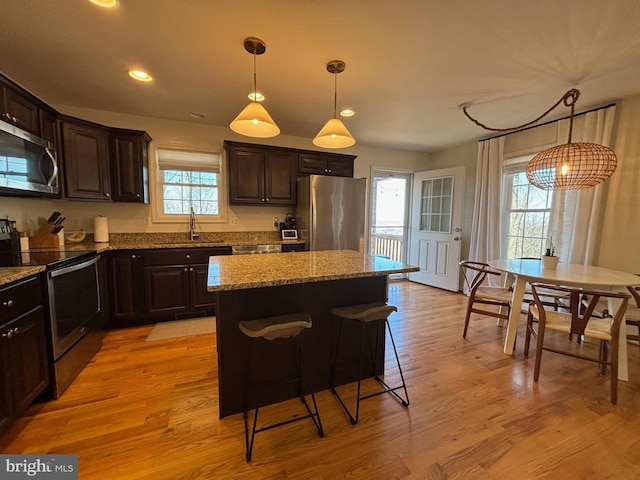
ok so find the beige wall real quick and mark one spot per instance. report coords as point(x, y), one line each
point(621, 228)
point(124, 217)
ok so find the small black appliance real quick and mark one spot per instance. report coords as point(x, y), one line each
point(9, 243)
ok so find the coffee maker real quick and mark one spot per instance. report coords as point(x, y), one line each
point(9, 243)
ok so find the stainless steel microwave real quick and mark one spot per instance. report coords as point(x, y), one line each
point(28, 164)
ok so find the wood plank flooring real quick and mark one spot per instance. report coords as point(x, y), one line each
point(148, 410)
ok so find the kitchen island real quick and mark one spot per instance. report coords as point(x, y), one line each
point(255, 286)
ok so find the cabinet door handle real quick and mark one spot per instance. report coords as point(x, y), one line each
point(191, 269)
point(107, 194)
point(8, 335)
point(8, 303)
point(268, 200)
point(185, 269)
point(138, 195)
point(133, 256)
point(188, 256)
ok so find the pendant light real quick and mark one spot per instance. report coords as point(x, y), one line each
point(570, 166)
point(334, 134)
point(254, 120)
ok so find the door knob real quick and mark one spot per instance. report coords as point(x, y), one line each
point(456, 238)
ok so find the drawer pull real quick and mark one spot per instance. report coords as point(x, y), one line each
point(9, 303)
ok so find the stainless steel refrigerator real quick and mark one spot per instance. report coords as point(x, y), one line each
point(331, 212)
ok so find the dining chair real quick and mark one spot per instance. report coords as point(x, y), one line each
point(479, 293)
point(632, 316)
point(556, 300)
point(580, 322)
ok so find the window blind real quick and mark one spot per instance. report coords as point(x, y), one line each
point(169, 159)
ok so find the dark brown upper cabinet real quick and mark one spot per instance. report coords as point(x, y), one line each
point(102, 163)
point(129, 166)
point(261, 176)
point(19, 110)
point(85, 160)
point(326, 164)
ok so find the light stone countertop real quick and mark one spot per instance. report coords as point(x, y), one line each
point(150, 241)
point(238, 272)
point(12, 274)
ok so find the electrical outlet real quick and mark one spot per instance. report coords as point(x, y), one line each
point(147, 222)
point(74, 223)
point(233, 221)
point(275, 222)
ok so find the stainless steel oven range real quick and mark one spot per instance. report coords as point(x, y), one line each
point(73, 294)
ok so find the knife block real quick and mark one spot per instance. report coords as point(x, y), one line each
point(45, 238)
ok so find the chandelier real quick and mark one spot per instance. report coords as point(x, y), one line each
point(570, 166)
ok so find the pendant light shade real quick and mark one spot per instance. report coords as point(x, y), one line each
point(570, 166)
point(334, 134)
point(254, 120)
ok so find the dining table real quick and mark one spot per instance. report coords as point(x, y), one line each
point(568, 274)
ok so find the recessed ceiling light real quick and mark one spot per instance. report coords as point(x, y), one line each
point(105, 3)
point(347, 112)
point(197, 115)
point(140, 75)
point(256, 97)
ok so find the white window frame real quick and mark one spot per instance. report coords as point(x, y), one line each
point(511, 166)
point(189, 160)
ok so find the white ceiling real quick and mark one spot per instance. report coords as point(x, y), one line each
point(409, 63)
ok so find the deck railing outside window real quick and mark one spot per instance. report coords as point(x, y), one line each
point(388, 245)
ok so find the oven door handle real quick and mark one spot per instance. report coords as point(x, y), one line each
point(73, 268)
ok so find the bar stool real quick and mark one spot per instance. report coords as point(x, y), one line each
point(371, 313)
point(272, 330)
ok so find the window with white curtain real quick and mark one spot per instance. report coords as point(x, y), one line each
point(189, 180)
point(526, 210)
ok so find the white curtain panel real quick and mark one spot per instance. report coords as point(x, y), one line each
point(576, 215)
point(487, 218)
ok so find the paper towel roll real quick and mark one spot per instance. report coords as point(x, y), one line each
point(100, 229)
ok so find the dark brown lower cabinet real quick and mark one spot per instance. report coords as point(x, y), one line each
point(24, 371)
point(124, 276)
point(148, 285)
point(175, 281)
point(166, 290)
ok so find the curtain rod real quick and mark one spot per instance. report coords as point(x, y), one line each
point(547, 123)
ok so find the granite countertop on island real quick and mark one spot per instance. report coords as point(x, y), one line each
point(256, 271)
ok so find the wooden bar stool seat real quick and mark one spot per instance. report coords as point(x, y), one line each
point(273, 330)
point(367, 314)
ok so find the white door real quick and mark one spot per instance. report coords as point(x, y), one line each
point(436, 227)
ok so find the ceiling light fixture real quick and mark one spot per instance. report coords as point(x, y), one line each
point(334, 134)
point(570, 166)
point(105, 3)
point(347, 112)
point(254, 120)
point(140, 75)
point(256, 97)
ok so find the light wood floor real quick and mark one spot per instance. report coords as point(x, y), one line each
point(148, 410)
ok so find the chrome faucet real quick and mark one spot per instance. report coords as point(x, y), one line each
point(192, 226)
